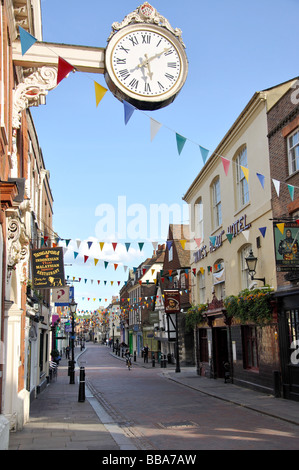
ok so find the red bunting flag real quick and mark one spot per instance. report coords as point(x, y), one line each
point(64, 68)
point(226, 164)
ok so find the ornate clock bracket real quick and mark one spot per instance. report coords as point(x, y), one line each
point(32, 91)
point(146, 13)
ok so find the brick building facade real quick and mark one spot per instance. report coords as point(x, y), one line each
point(283, 135)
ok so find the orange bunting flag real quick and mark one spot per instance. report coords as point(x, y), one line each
point(99, 91)
point(64, 68)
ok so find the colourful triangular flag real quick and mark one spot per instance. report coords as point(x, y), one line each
point(169, 244)
point(27, 40)
point(140, 244)
point(226, 164)
point(204, 153)
point(212, 240)
point(229, 236)
point(180, 140)
point(99, 91)
point(183, 243)
point(245, 172)
point(127, 246)
point(64, 68)
point(280, 227)
point(129, 110)
point(263, 231)
point(291, 191)
point(155, 127)
point(276, 185)
point(261, 178)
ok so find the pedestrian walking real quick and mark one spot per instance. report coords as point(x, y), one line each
point(145, 353)
point(67, 352)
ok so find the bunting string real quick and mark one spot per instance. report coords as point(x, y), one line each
point(64, 68)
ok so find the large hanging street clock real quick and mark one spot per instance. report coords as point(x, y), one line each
point(145, 60)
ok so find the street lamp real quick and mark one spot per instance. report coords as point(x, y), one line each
point(113, 336)
point(251, 261)
point(73, 308)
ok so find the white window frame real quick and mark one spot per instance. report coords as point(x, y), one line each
point(217, 209)
point(242, 184)
point(199, 223)
point(293, 152)
point(170, 253)
point(201, 283)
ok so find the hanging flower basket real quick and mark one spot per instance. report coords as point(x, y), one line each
point(194, 316)
point(253, 306)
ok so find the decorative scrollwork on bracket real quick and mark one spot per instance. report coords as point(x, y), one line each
point(28, 93)
point(145, 13)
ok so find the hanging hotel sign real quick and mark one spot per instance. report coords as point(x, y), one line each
point(172, 303)
point(48, 268)
point(286, 236)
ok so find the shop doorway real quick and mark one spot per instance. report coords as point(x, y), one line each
point(220, 351)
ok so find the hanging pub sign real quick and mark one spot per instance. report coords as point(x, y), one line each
point(286, 236)
point(48, 268)
point(172, 303)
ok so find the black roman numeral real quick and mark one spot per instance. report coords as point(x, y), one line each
point(146, 38)
point(170, 77)
point(134, 83)
point(122, 48)
point(124, 73)
point(134, 40)
point(121, 61)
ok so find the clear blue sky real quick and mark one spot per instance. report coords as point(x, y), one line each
point(234, 49)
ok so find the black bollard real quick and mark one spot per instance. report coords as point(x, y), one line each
point(153, 360)
point(81, 397)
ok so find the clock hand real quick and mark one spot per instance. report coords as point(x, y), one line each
point(150, 74)
point(146, 61)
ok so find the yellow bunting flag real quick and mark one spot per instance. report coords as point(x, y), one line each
point(102, 245)
point(183, 243)
point(99, 91)
point(246, 172)
point(280, 227)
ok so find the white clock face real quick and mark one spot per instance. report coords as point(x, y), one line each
point(146, 63)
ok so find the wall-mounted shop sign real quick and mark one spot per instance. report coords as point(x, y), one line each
point(48, 268)
point(238, 226)
point(234, 229)
point(286, 238)
point(200, 254)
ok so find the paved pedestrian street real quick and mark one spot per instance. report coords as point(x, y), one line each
point(153, 409)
